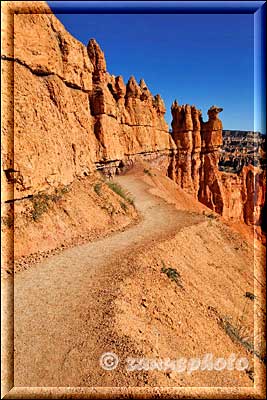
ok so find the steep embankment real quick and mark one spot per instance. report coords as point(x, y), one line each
point(113, 295)
point(149, 290)
point(48, 222)
point(72, 117)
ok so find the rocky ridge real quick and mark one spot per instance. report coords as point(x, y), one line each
point(72, 117)
point(238, 196)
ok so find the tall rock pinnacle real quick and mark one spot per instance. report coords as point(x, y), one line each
point(186, 135)
point(97, 58)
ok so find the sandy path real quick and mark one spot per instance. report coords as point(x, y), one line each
point(57, 302)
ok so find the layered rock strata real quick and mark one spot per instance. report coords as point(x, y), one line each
point(70, 115)
point(210, 190)
point(128, 119)
point(186, 135)
point(235, 196)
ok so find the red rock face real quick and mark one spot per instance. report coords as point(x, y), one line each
point(186, 133)
point(254, 184)
point(97, 58)
point(210, 188)
point(238, 197)
point(71, 116)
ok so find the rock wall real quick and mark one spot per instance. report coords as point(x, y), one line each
point(235, 196)
point(128, 119)
point(47, 76)
point(70, 115)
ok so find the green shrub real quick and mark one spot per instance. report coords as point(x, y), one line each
point(120, 191)
point(41, 201)
point(172, 273)
point(244, 335)
point(40, 205)
point(238, 333)
point(97, 189)
point(123, 206)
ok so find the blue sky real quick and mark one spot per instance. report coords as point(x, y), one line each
point(200, 59)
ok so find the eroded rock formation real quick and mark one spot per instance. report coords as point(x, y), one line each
point(210, 190)
point(186, 135)
point(242, 148)
point(235, 196)
point(72, 117)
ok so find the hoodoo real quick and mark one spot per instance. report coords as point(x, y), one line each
point(72, 117)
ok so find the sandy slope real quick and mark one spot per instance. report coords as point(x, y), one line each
point(67, 216)
point(71, 308)
point(52, 300)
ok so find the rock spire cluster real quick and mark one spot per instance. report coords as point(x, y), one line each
point(72, 117)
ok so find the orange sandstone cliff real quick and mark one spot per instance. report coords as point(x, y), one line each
point(239, 197)
point(72, 117)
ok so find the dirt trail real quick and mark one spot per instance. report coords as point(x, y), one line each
point(57, 303)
